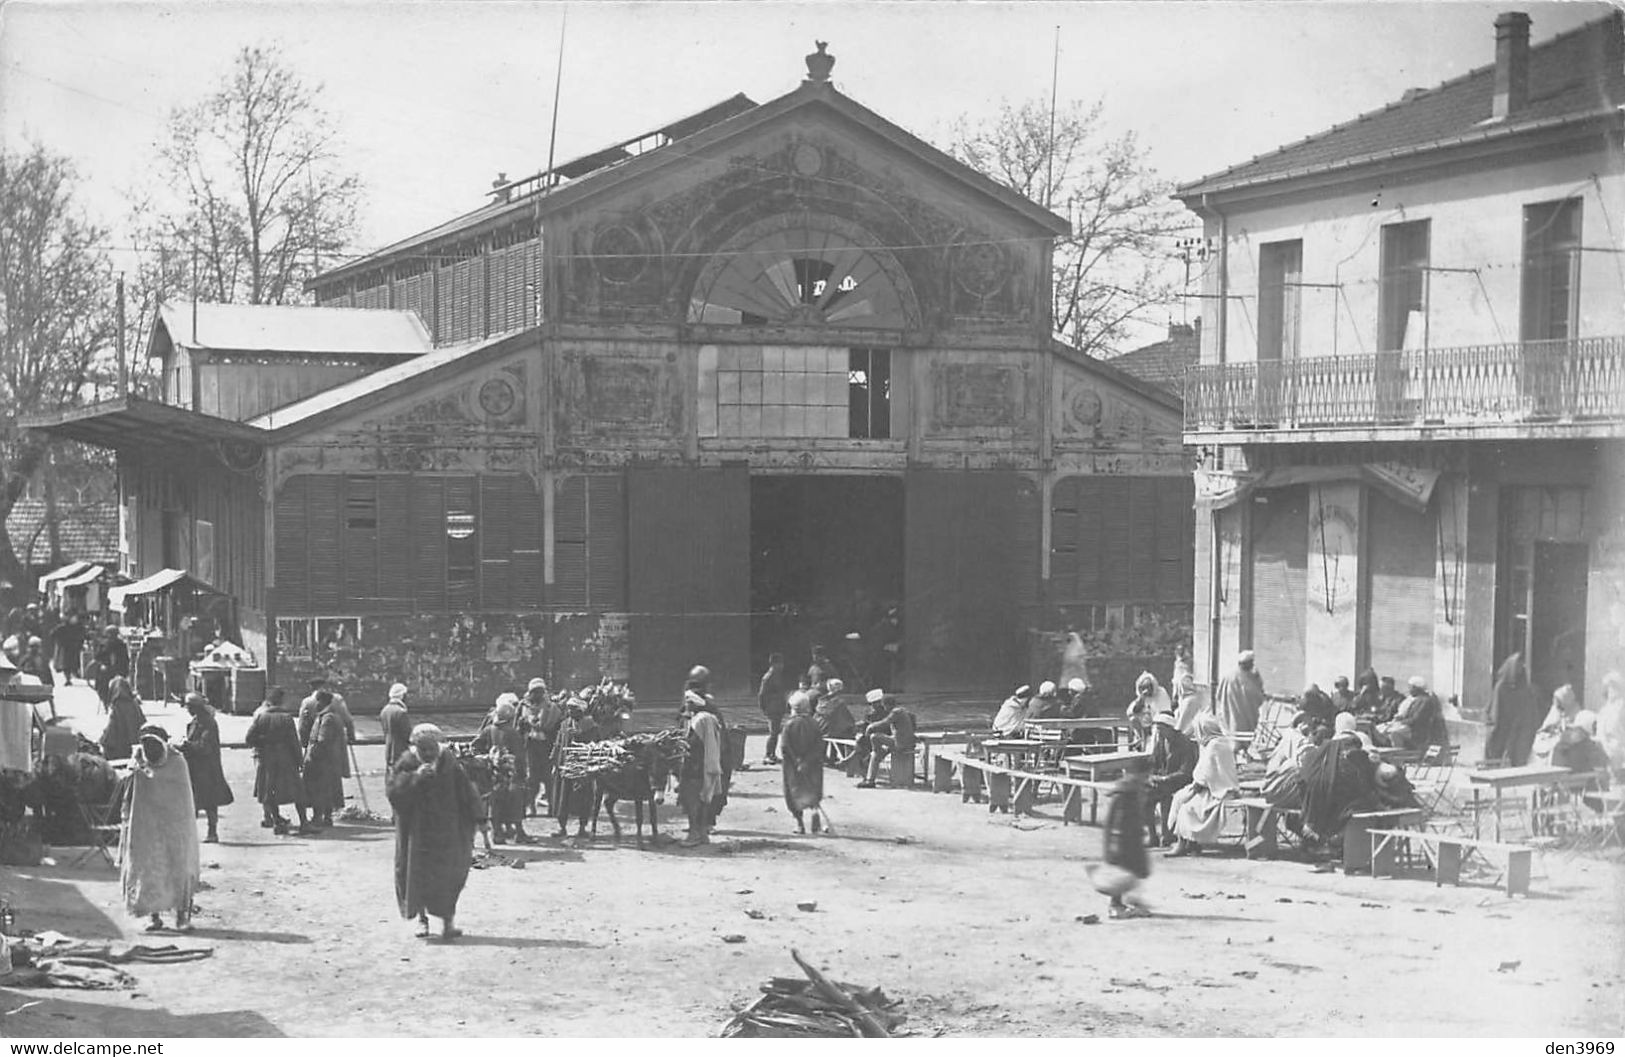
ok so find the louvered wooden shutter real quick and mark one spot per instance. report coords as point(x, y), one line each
point(529, 591)
point(570, 544)
point(1063, 539)
point(1280, 560)
point(428, 529)
point(394, 543)
point(360, 543)
point(463, 556)
point(325, 542)
point(1401, 600)
point(292, 574)
point(1025, 546)
point(496, 542)
point(1174, 524)
point(1142, 537)
point(606, 542)
point(1117, 531)
point(1089, 541)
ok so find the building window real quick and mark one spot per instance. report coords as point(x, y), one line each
point(1402, 293)
point(869, 394)
point(1551, 269)
point(1280, 271)
point(802, 270)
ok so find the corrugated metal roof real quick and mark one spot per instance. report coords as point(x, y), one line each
point(329, 399)
point(293, 329)
point(1576, 75)
point(87, 533)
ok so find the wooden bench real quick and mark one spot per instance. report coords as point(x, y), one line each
point(1446, 852)
point(1012, 790)
point(839, 751)
point(1260, 841)
point(1357, 849)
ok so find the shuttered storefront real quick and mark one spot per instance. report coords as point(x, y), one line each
point(1280, 532)
point(1401, 613)
point(1116, 540)
point(399, 543)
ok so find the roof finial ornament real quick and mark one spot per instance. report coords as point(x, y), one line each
point(819, 63)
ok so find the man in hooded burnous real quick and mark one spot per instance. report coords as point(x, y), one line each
point(437, 813)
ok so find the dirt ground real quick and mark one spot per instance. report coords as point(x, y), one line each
point(971, 919)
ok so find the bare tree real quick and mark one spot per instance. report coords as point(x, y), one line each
point(1118, 262)
point(55, 320)
point(259, 190)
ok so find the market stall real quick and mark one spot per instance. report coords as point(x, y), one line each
point(48, 774)
point(182, 635)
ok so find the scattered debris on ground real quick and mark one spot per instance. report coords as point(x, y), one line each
point(816, 1008)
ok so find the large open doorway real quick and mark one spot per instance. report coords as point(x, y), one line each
point(826, 559)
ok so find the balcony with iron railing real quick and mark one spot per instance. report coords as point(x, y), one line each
point(1573, 387)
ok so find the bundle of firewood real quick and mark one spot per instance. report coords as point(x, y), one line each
point(593, 759)
point(589, 759)
point(815, 1008)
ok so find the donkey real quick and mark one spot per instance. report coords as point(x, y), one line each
point(642, 783)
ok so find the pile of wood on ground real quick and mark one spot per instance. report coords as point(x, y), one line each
point(816, 1008)
point(594, 759)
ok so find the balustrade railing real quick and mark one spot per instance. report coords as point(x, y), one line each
point(1582, 379)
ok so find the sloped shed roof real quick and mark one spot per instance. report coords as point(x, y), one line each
point(1574, 75)
point(290, 329)
point(87, 533)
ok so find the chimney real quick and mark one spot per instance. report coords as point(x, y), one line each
point(1511, 65)
point(500, 188)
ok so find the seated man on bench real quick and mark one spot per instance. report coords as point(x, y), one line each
point(1341, 778)
point(1173, 758)
point(834, 718)
point(858, 763)
point(891, 735)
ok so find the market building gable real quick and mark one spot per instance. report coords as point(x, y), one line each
point(699, 404)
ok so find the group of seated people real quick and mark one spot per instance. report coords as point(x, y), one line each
point(886, 730)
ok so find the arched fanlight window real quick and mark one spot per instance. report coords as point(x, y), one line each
point(805, 269)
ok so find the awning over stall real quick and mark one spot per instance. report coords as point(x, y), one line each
point(147, 585)
point(90, 575)
point(72, 569)
point(1407, 485)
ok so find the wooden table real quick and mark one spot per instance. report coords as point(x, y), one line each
point(1096, 765)
point(1532, 777)
point(1356, 833)
point(940, 739)
point(1018, 752)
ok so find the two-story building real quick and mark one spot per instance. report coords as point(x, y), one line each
point(1408, 413)
point(746, 383)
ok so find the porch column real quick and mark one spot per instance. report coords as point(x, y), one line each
point(1332, 621)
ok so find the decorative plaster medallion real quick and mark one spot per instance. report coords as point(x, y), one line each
point(808, 160)
point(980, 268)
point(620, 254)
point(497, 397)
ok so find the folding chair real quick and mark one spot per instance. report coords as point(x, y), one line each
point(103, 821)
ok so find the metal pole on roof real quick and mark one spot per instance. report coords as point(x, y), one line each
point(558, 82)
point(1054, 84)
point(123, 372)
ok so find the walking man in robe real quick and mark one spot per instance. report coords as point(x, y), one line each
point(160, 870)
point(771, 698)
point(273, 734)
point(802, 752)
point(701, 783)
point(396, 725)
point(201, 748)
point(437, 813)
point(327, 762)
